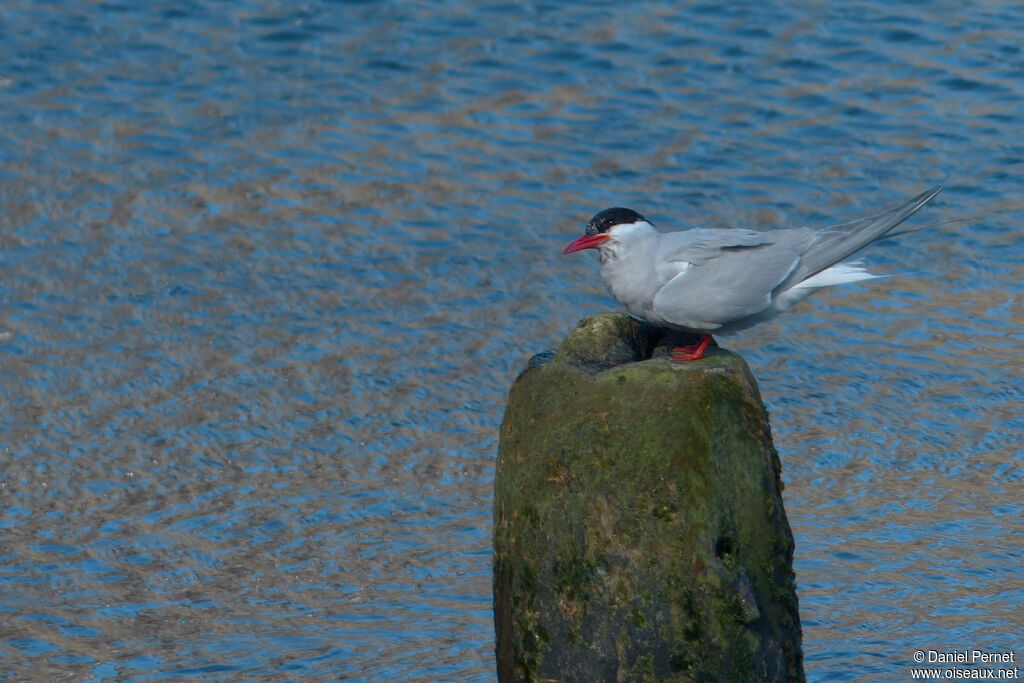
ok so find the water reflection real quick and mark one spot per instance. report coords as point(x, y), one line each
point(268, 272)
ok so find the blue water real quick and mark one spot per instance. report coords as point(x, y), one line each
point(268, 269)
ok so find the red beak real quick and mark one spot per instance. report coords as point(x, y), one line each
point(585, 242)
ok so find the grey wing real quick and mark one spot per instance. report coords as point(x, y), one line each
point(837, 242)
point(698, 245)
point(732, 280)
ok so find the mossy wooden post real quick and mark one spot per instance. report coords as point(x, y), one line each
point(639, 532)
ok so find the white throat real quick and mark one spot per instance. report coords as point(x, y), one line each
point(628, 266)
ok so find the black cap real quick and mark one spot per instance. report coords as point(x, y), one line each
point(609, 218)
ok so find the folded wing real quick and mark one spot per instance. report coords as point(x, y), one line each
point(837, 242)
point(733, 274)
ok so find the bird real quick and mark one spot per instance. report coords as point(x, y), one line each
point(722, 280)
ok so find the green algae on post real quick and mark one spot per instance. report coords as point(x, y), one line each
point(639, 532)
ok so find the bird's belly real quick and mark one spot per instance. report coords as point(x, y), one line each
point(634, 284)
point(637, 300)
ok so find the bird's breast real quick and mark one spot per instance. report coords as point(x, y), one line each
point(633, 281)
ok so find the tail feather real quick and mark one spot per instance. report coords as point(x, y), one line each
point(839, 274)
point(837, 242)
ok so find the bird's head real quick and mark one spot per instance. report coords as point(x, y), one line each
point(607, 228)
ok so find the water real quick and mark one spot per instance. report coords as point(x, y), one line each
point(267, 271)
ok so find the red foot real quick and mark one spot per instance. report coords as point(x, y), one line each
point(693, 351)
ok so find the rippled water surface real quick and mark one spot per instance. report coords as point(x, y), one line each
point(267, 270)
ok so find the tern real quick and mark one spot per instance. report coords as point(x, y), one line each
point(720, 281)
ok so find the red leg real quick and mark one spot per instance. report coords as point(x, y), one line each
point(692, 352)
